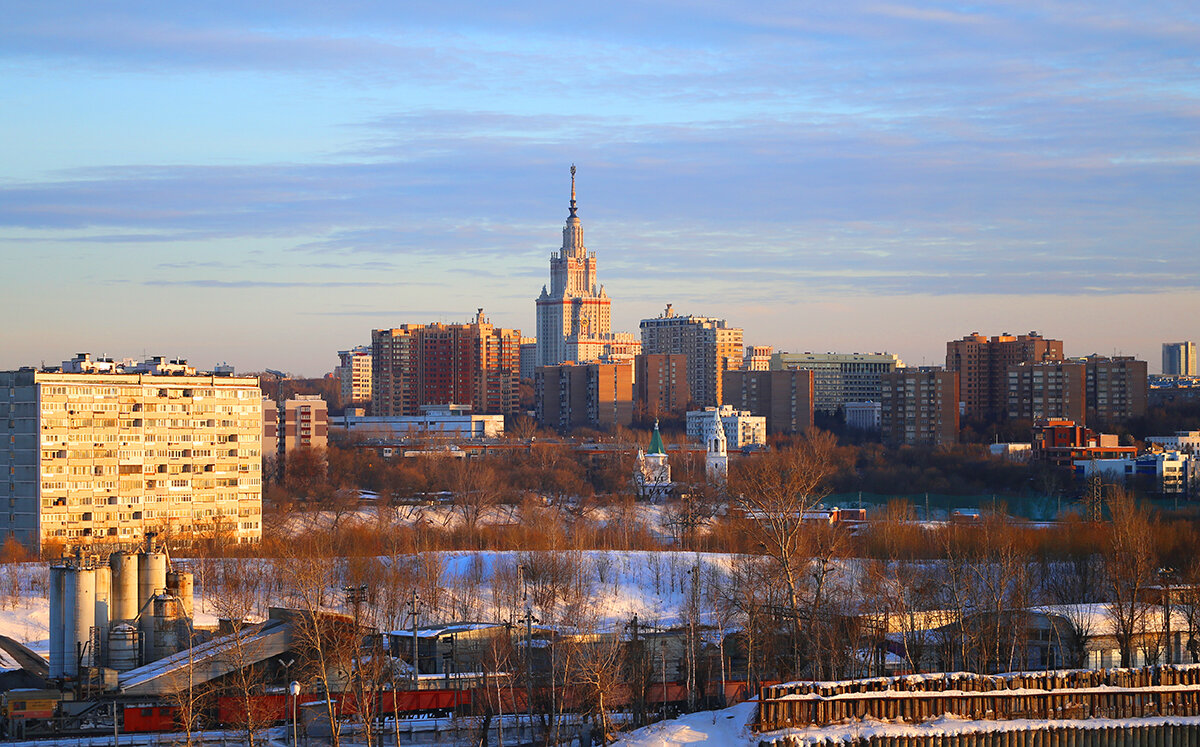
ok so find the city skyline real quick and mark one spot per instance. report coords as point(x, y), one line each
point(870, 177)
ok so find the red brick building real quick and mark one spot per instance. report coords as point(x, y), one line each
point(920, 407)
point(660, 384)
point(982, 365)
point(1062, 442)
point(784, 398)
point(442, 364)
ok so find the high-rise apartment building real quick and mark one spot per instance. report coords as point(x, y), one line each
point(305, 423)
point(1055, 390)
point(1095, 390)
point(710, 345)
point(574, 315)
point(784, 398)
point(660, 384)
point(270, 428)
point(1179, 359)
point(528, 358)
point(982, 365)
point(1117, 389)
point(591, 395)
point(919, 407)
point(102, 458)
point(441, 364)
point(841, 377)
point(354, 374)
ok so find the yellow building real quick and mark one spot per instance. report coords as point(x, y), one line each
point(102, 458)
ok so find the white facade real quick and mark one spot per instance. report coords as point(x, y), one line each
point(865, 416)
point(354, 375)
point(716, 458)
point(1186, 441)
point(652, 471)
point(1172, 472)
point(102, 458)
point(435, 421)
point(741, 428)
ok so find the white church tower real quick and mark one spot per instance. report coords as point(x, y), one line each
point(716, 462)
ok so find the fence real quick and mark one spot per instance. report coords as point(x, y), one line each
point(1155, 735)
point(1112, 693)
point(969, 682)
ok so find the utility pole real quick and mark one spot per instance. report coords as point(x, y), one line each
point(355, 596)
point(412, 610)
point(692, 653)
point(528, 651)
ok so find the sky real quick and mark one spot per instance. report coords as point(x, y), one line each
point(264, 183)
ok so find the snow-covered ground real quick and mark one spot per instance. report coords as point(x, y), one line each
point(613, 585)
point(729, 727)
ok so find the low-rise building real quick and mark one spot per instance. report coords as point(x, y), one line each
point(435, 421)
point(1063, 442)
point(863, 416)
point(1168, 472)
point(741, 428)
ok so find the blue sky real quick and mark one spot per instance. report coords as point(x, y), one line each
point(266, 183)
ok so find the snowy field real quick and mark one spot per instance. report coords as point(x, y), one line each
point(607, 587)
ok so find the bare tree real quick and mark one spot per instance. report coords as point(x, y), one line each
point(308, 572)
point(234, 599)
point(597, 676)
point(477, 488)
point(775, 490)
point(1129, 565)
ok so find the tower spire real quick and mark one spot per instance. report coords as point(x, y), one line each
point(573, 208)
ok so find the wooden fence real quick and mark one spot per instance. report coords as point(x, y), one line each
point(1074, 694)
point(1062, 679)
point(815, 710)
point(1158, 735)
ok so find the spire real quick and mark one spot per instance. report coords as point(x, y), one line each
point(573, 206)
point(656, 442)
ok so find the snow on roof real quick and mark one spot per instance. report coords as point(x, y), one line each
point(207, 661)
point(437, 631)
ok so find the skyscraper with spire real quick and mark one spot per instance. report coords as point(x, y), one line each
point(574, 319)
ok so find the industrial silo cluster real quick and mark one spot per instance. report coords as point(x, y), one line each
point(119, 613)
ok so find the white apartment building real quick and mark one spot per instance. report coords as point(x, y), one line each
point(102, 458)
point(354, 375)
point(741, 428)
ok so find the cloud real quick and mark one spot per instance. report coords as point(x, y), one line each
point(209, 283)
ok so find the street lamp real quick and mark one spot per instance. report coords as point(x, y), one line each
point(294, 689)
